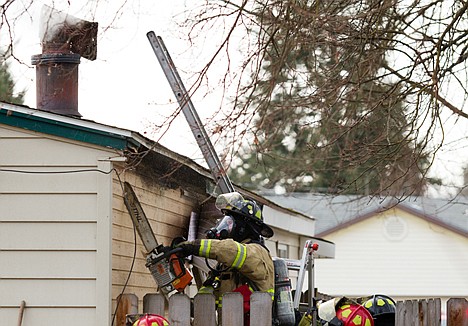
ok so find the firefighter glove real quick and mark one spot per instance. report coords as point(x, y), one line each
point(176, 241)
point(189, 248)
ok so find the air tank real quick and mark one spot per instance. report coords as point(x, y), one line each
point(283, 308)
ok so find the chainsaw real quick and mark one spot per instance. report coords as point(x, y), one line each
point(164, 263)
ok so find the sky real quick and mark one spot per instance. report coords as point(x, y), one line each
point(125, 86)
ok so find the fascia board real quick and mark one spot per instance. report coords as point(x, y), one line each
point(294, 223)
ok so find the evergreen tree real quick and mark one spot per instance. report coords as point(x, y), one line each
point(7, 86)
point(324, 120)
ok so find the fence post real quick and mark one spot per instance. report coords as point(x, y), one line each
point(154, 303)
point(204, 310)
point(179, 310)
point(260, 309)
point(127, 304)
point(233, 309)
point(457, 312)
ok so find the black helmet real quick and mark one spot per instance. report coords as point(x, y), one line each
point(234, 204)
point(382, 309)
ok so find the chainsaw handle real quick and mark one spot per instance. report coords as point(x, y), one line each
point(174, 251)
point(161, 253)
point(170, 252)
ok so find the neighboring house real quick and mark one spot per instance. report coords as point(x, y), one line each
point(67, 243)
point(410, 249)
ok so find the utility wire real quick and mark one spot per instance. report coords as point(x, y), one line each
point(55, 172)
point(121, 185)
point(131, 266)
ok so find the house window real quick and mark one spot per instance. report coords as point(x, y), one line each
point(283, 250)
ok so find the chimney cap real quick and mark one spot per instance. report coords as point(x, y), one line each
point(68, 34)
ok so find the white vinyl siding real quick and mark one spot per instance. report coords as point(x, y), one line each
point(288, 239)
point(429, 261)
point(54, 230)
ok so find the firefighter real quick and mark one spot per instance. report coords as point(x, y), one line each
point(151, 320)
point(342, 311)
point(382, 309)
point(237, 244)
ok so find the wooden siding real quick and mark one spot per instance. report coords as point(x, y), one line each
point(168, 211)
point(54, 230)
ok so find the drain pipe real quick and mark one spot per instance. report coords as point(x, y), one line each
point(21, 312)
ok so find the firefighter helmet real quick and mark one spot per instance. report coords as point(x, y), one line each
point(382, 308)
point(151, 320)
point(354, 315)
point(233, 203)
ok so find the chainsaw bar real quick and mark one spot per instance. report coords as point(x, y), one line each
point(139, 218)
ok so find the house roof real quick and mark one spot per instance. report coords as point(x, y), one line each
point(336, 212)
point(91, 132)
point(85, 131)
point(63, 126)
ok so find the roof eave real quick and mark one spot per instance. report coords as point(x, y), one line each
point(401, 206)
point(107, 136)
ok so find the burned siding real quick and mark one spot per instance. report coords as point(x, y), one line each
point(159, 170)
point(169, 192)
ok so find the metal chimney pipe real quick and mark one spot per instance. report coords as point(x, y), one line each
point(57, 79)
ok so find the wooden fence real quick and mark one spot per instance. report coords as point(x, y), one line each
point(204, 314)
point(178, 311)
point(427, 312)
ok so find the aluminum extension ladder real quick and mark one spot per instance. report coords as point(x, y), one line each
point(303, 266)
point(190, 113)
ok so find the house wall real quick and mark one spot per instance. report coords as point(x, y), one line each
point(396, 254)
point(285, 238)
point(168, 210)
point(67, 244)
point(54, 230)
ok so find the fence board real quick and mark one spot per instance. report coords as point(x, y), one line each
point(423, 313)
point(414, 312)
point(179, 310)
point(407, 313)
point(400, 313)
point(409, 319)
point(260, 309)
point(204, 310)
point(434, 310)
point(127, 304)
point(233, 309)
point(153, 303)
point(457, 312)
